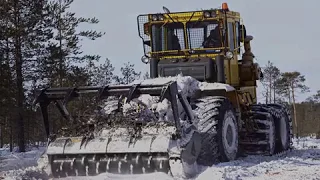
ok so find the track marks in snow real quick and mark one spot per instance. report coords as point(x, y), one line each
point(300, 163)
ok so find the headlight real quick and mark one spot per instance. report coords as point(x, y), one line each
point(213, 14)
point(161, 17)
point(191, 51)
point(145, 59)
point(154, 17)
point(229, 55)
point(206, 14)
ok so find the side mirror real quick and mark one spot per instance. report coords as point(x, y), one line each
point(261, 75)
point(148, 43)
point(242, 33)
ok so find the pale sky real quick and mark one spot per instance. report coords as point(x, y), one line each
point(284, 31)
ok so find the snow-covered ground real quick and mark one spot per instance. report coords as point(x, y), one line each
point(301, 163)
point(13, 164)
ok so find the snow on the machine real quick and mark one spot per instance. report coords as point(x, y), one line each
point(148, 106)
point(187, 86)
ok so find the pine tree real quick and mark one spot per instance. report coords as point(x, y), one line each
point(314, 102)
point(6, 102)
point(64, 50)
point(146, 75)
point(291, 83)
point(103, 74)
point(21, 25)
point(271, 75)
point(128, 73)
point(314, 98)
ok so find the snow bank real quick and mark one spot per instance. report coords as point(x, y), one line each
point(15, 160)
point(14, 164)
point(307, 143)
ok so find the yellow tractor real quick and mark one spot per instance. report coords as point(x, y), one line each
point(222, 120)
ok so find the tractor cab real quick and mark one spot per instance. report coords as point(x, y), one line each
point(190, 42)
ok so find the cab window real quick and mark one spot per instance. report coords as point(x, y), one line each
point(237, 36)
point(231, 36)
point(167, 37)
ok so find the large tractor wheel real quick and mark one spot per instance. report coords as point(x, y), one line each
point(283, 129)
point(258, 135)
point(282, 123)
point(219, 130)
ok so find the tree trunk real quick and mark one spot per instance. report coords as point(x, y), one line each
point(19, 79)
point(267, 96)
point(11, 137)
point(294, 110)
point(60, 46)
point(274, 93)
point(301, 121)
point(270, 88)
point(27, 131)
point(318, 123)
point(1, 134)
point(289, 95)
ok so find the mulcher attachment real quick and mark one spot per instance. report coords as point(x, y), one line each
point(114, 149)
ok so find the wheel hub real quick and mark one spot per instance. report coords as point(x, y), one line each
point(272, 137)
point(284, 130)
point(229, 134)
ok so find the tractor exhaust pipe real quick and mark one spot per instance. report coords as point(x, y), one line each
point(221, 78)
point(154, 68)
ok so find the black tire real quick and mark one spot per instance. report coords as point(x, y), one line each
point(260, 136)
point(213, 113)
point(283, 129)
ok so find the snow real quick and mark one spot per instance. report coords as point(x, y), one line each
point(17, 164)
point(151, 109)
point(145, 108)
point(187, 84)
point(301, 163)
point(148, 105)
point(9, 161)
point(115, 140)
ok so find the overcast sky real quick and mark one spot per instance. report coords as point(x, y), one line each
point(284, 30)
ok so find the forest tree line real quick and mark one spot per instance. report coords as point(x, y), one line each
point(284, 87)
point(40, 46)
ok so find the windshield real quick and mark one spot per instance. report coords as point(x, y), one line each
point(200, 35)
point(204, 35)
point(167, 37)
